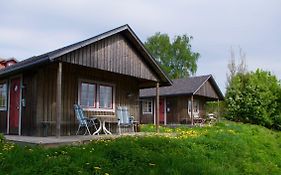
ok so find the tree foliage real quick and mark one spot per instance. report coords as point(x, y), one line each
point(175, 57)
point(254, 97)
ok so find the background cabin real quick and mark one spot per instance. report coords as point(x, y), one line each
point(7, 62)
point(100, 74)
point(176, 100)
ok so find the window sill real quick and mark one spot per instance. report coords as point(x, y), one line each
point(146, 113)
point(98, 109)
point(3, 109)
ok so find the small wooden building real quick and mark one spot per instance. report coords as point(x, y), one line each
point(99, 73)
point(7, 62)
point(178, 100)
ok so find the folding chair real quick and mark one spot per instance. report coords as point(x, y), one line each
point(83, 121)
point(124, 118)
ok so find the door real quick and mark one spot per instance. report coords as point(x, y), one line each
point(14, 106)
point(161, 111)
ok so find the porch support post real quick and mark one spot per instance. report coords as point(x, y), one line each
point(192, 117)
point(58, 104)
point(157, 107)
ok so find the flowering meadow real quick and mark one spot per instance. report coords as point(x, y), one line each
point(224, 148)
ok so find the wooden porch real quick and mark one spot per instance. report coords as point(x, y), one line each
point(53, 141)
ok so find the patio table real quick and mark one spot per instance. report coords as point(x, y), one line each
point(102, 120)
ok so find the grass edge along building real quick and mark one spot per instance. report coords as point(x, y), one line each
point(178, 100)
point(100, 73)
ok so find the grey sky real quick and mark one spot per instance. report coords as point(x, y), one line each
point(33, 27)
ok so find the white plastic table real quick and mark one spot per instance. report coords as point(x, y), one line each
point(102, 120)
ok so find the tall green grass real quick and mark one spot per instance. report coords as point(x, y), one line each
point(226, 148)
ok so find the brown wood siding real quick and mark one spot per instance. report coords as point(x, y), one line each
point(113, 54)
point(172, 115)
point(3, 121)
point(207, 90)
point(46, 98)
point(28, 114)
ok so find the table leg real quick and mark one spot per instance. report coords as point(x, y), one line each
point(105, 129)
point(99, 129)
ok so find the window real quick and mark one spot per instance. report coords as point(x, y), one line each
point(147, 107)
point(96, 96)
point(189, 106)
point(105, 97)
point(88, 94)
point(3, 96)
point(195, 106)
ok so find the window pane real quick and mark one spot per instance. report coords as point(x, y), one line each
point(105, 100)
point(147, 106)
point(88, 94)
point(189, 106)
point(3, 95)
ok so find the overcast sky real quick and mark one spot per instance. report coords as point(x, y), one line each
point(29, 28)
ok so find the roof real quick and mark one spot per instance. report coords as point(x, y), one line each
point(185, 86)
point(51, 56)
point(8, 60)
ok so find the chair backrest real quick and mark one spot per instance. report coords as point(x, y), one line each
point(79, 114)
point(126, 116)
point(196, 115)
point(120, 114)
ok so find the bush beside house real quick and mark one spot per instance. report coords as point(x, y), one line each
point(254, 97)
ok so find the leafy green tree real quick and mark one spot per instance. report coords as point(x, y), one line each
point(175, 57)
point(254, 97)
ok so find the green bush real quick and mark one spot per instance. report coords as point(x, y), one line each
point(254, 98)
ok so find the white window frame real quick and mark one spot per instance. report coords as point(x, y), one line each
point(195, 102)
point(4, 108)
point(98, 90)
point(145, 103)
point(98, 84)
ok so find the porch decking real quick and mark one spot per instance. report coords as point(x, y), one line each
point(53, 141)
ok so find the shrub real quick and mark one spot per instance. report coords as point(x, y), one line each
point(254, 98)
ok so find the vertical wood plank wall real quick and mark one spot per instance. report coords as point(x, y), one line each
point(3, 121)
point(207, 90)
point(29, 95)
point(113, 54)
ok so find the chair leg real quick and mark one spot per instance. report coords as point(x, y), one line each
point(119, 129)
point(133, 128)
point(78, 129)
point(87, 130)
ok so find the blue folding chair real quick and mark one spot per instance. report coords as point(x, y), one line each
point(83, 121)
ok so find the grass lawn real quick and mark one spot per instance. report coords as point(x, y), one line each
point(226, 148)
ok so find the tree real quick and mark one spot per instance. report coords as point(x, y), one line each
point(175, 57)
point(254, 97)
point(234, 69)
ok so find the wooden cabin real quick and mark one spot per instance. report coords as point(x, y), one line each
point(100, 74)
point(177, 101)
